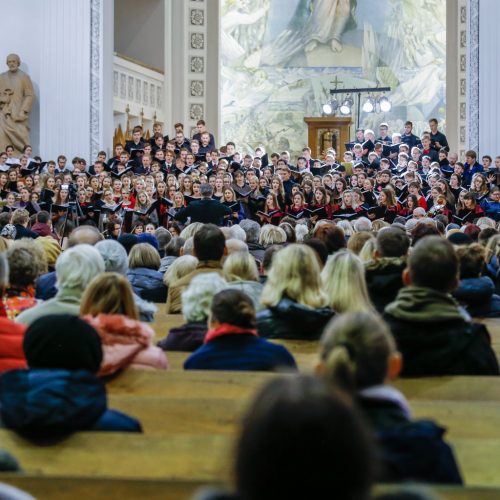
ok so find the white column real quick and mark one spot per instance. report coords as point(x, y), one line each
point(488, 77)
point(76, 116)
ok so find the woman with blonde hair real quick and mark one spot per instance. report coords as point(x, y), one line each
point(295, 304)
point(108, 305)
point(241, 273)
point(344, 283)
point(358, 355)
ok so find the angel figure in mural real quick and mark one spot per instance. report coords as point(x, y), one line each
point(327, 23)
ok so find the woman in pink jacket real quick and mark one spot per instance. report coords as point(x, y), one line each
point(108, 305)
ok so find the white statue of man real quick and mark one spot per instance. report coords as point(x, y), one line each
point(16, 99)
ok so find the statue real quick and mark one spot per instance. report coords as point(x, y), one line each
point(16, 98)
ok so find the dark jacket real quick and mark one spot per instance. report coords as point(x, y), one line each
point(240, 353)
point(384, 279)
point(478, 296)
point(436, 337)
point(257, 251)
point(57, 402)
point(46, 286)
point(148, 284)
point(205, 210)
point(187, 337)
point(24, 232)
point(409, 450)
point(290, 320)
point(8, 463)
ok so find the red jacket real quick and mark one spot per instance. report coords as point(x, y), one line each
point(11, 345)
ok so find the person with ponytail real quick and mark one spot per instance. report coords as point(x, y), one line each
point(358, 355)
point(232, 343)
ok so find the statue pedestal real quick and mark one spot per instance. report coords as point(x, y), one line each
point(328, 132)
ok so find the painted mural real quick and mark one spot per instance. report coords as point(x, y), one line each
point(280, 58)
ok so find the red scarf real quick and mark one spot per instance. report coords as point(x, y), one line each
point(228, 329)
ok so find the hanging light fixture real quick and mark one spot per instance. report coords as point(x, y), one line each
point(330, 107)
point(385, 104)
point(369, 105)
point(346, 106)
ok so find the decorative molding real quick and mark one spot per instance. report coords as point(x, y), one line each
point(196, 111)
point(95, 76)
point(197, 17)
point(197, 64)
point(197, 41)
point(473, 75)
point(197, 88)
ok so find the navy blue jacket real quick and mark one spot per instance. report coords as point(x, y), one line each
point(57, 402)
point(148, 284)
point(240, 352)
point(478, 296)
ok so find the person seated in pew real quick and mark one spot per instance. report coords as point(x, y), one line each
point(358, 355)
point(384, 273)
point(75, 269)
point(232, 342)
point(241, 273)
point(108, 305)
point(209, 249)
point(116, 261)
point(433, 333)
point(144, 275)
point(475, 291)
point(296, 307)
point(196, 302)
point(59, 393)
point(276, 458)
point(343, 282)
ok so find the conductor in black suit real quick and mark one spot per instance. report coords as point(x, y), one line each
point(205, 210)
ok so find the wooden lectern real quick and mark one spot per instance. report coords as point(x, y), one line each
point(328, 132)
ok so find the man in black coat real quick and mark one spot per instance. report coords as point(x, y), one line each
point(205, 210)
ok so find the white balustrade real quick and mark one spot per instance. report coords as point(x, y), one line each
point(138, 86)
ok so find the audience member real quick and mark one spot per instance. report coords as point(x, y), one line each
point(232, 343)
point(296, 307)
point(358, 355)
point(196, 302)
point(435, 335)
point(60, 393)
point(143, 273)
point(75, 269)
point(209, 248)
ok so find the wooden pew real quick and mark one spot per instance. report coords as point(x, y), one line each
point(198, 457)
point(92, 488)
point(84, 488)
point(193, 457)
point(188, 384)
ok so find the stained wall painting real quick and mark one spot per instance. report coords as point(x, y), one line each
point(280, 57)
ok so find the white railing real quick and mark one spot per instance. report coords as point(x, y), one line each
point(137, 89)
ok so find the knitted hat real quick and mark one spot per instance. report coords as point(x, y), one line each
point(128, 241)
point(459, 238)
point(50, 248)
point(148, 238)
point(64, 342)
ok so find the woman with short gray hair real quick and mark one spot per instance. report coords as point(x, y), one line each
point(196, 302)
point(75, 269)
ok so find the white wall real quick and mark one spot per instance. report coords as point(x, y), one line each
point(139, 30)
point(25, 16)
point(489, 77)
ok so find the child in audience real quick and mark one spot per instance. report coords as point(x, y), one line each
point(475, 291)
point(232, 343)
point(358, 355)
point(60, 393)
point(434, 334)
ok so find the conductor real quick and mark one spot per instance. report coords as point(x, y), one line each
point(205, 210)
